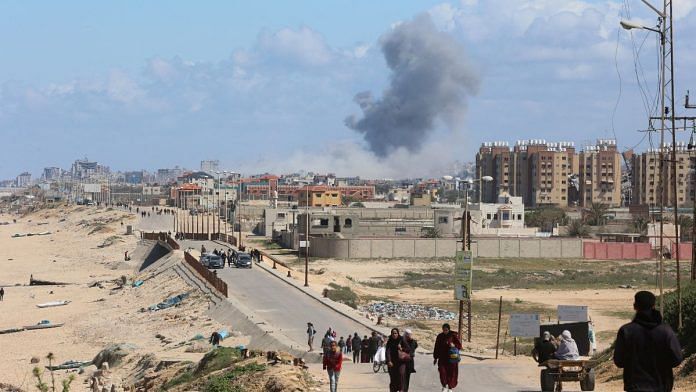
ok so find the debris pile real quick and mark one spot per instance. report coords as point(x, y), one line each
point(406, 311)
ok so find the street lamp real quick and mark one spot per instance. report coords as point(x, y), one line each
point(666, 31)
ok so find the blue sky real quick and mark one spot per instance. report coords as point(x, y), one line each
point(267, 85)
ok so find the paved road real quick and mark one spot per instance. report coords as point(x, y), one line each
point(288, 309)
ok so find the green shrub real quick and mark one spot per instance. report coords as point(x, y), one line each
point(219, 358)
point(342, 294)
point(687, 335)
point(223, 383)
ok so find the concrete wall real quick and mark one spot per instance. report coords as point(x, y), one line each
point(363, 248)
point(366, 248)
point(560, 248)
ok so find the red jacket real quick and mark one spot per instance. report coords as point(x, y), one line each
point(442, 346)
point(333, 361)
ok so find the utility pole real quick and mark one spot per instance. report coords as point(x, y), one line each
point(306, 263)
point(466, 246)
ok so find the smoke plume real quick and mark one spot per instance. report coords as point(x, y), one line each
point(430, 80)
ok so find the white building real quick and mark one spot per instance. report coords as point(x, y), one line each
point(23, 179)
point(504, 218)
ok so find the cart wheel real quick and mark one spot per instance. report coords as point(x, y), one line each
point(376, 366)
point(588, 383)
point(548, 384)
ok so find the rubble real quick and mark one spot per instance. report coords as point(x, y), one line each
point(406, 311)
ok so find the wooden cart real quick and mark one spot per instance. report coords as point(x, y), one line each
point(558, 371)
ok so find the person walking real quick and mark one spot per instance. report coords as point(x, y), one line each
point(647, 349)
point(2, 293)
point(332, 363)
point(357, 344)
point(398, 354)
point(373, 346)
point(349, 343)
point(310, 334)
point(326, 343)
point(342, 344)
point(364, 349)
point(446, 357)
point(411, 345)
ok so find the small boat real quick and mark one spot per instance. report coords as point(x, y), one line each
point(43, 325)
point(52, 304)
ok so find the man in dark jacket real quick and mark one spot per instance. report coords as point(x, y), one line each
point(357, 343)
point(647, 349)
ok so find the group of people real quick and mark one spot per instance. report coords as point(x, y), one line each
point(646, 349)
point(561, 347)
point(399, 355)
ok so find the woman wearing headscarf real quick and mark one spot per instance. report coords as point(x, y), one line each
point(365, 350)
point(398, 355)
point(410, 345)
point(567, 349)
point(446, 357)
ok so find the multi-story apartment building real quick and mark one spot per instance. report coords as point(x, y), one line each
point(542, 173)
point(599, 176)
point(646, 173)
point(23, 179)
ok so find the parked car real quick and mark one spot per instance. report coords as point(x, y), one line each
point(212, 261)
point(243, 260)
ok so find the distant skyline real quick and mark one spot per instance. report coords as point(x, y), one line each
point(267, 86)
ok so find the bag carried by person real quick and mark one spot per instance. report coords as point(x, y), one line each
point(454, 356)
point(381, 355)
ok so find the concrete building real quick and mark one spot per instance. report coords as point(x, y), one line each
point(319, 196)
point(210, 166)
point(51, 173)
point(23, 180)
point(599, 176)
point(645, 170)
point(83, 169)
point(542, 173)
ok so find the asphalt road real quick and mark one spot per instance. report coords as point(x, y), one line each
point(288, 309)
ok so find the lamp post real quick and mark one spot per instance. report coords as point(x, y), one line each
point(226, 214)
point(665, 29)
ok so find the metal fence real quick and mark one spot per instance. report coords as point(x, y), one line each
point(211, 277)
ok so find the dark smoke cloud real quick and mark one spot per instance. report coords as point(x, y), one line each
point(431, 79)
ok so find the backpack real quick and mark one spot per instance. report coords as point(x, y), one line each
point(454, 356)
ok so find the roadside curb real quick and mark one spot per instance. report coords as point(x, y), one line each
point(311, 294)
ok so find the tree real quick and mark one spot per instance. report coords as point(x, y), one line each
point(686, 224)
point(596, 215)
point(577, 228)
point(546, 218)
point(639, 225)
point(431, 232)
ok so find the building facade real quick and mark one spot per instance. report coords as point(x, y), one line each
point(599, 176)
point(645, 170)
point(318, 196)
point(23, 180)
point(544, 173)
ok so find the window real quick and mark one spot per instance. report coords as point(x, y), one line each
point(488, 216)
point(442, 219)
point(281, 215)
point(506, 215)
point(495, 216)
point(348, 223)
